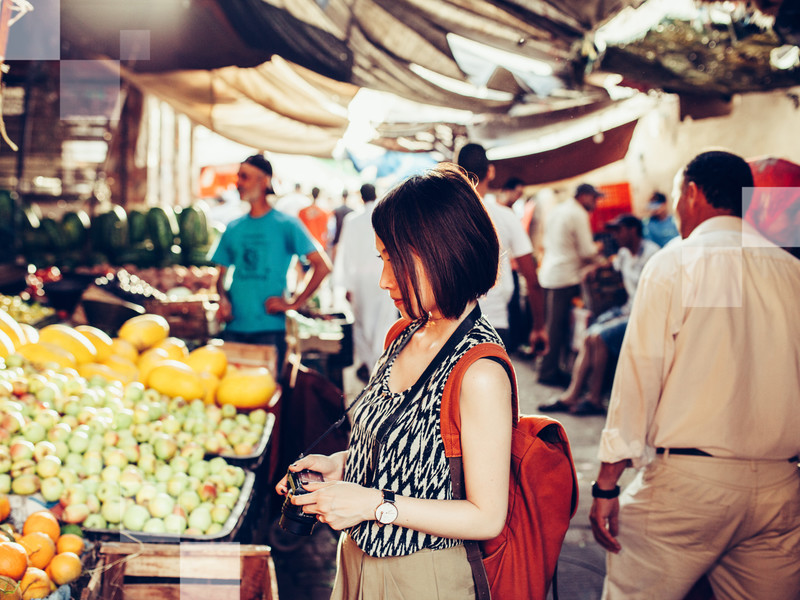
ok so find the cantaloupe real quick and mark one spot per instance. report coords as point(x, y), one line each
point(174, 378)
point(144, 331)
point(69, 339)
point(247, 388)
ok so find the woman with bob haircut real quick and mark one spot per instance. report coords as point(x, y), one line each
point(391, 492)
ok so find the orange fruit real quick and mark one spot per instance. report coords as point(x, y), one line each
point(69, 542)
point(13, 560)
point(9, 589)
point(40, 548)
point(35, 584)
point(65, 568)
point(5, 507)
point(43, 521)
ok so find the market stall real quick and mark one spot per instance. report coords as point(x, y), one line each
point(145, 451)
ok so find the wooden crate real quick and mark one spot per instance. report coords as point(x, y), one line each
point(192, 318)
point(190, 571)
point(250, 355)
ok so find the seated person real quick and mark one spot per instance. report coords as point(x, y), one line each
point(604, 337)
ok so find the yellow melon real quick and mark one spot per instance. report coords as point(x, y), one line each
point(123, 366)
point(210, 384)
point(247, 389)
point(175, 347)
point(42, 353)
point(124, 348)
point(211, 359)
point(73, 341)
point(89, 370)
point(6, 345)
point(174, 378)
point(144, 331)
point(30, 332)
point(149, 359)
point(100, 340)
point(12, 329)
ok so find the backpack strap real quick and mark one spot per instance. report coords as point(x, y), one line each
point(450, 416)
point(450, 424)
point(395, 330)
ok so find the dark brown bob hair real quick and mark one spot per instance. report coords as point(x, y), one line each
point(439, 217)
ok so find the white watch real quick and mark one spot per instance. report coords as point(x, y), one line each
point(386, 512)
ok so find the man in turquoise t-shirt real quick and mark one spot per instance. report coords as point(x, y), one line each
point(259, 248)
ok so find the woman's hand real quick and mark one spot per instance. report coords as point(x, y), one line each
point(330, 467)
point(339, 504)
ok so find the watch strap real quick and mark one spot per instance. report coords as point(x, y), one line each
point(388, 496)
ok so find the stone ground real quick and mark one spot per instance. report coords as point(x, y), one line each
point(305, 572)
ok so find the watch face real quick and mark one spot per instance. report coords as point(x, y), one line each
point(386, 513)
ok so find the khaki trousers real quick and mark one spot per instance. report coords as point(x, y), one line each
point(423, 575)
point(683, 516)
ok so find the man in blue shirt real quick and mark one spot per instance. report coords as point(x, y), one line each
point(258, 249)
point(660, 226)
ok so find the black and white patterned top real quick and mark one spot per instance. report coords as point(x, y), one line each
point(412, 460)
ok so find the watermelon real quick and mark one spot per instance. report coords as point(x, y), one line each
point(75, 229)
point(137, 226)
point(54, 234)
point(115, 229)
point(163, 227)
point(193, 222)
point(34, 239)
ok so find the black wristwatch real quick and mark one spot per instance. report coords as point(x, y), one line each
point(605, 494)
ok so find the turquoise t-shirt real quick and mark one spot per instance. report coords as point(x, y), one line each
point(260, 252)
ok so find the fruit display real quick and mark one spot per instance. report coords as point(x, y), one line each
point(123, 433)
point(36, 560)
point(153, 236)
point(25, 312)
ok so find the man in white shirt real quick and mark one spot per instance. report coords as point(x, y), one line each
point(514, 244)
point(603, 339)
point(705, 399)
point(357, 269)
point(568, 248)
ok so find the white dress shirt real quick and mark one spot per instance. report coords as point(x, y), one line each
point(568, 245)
point(514, 242)
point(630, 266)
point(711, 356)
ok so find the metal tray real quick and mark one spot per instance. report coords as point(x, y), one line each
point(227, 534)
point(251, 462)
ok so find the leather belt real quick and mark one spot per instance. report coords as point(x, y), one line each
point(684, 451)
point(696, 452)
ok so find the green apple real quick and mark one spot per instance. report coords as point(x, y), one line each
point(134, 392)
point(26, 484)
point(193, 452)
point(52, 488)
point(115, 457)
point(135, 517)
point(92, 462)
point(78, 442)
point(68, 475)
point(146, 493)
point(21, 449)
point(216, 465)
point(176, 484)
point(109, 490)
point(199, 469)
point(175, 523)
point(165, 446)
point(74, 493)
point(130, 481)
point(161, 505)
point(226, 499)
point(123, 419)
point(154, 525)
point(75, 513)
point(189, 500)
point(5, 483)
point(95, 521)
point(110, 473)
point(220, 513)
point(93, 502)
point(163, 472)
point(200, 519)
point(48, 466)
point(213, 529)
point(113, 510)
point(59, 432)
point(179, 464)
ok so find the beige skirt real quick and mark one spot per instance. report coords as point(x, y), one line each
point(423, 575)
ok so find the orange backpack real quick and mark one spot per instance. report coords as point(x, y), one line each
point(542, 496)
